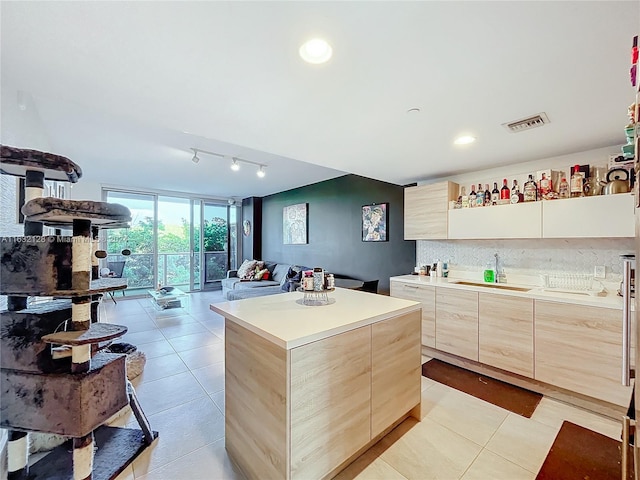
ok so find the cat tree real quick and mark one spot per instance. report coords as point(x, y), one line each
point(55, 374)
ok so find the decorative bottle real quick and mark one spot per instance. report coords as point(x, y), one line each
point(487, 195)
point(505, 193)
point(576, 183)
point(563, 190)
point(515, 192)
point(495, 194)
point(530, 190)
point(480, 196)
point(472, 196)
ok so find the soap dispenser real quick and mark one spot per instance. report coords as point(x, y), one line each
point(489, 273)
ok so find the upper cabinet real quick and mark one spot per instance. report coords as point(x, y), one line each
point(602, 216)
point(599, 216)
point(522, 220)
point(426, 210)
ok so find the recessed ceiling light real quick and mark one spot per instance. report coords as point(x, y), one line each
point(464, 140)
point(316, 51)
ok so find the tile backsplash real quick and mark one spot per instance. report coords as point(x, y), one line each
point(529, 256)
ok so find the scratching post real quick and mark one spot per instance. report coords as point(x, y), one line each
point(55, 377)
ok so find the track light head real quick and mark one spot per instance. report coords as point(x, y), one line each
point(260, 172)
point(235, 166)
point(195, 158)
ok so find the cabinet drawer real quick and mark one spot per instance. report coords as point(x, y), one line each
point(426, 295)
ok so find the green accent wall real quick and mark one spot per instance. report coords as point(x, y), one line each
point(334, 210)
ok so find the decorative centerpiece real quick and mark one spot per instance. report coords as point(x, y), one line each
point(316, 284)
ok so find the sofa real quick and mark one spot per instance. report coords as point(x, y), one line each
point(242, 283)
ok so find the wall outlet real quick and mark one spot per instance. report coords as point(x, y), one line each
point(599, 271)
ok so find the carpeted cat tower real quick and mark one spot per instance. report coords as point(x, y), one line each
point(56, 374)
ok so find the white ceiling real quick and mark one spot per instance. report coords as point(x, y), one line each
point(125, 88)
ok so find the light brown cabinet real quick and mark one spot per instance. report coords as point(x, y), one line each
point(425, 210)
point(506, 332)
point(457, 322)
point(322, 416)
point(305, 412)
point(426, 295)
point(580, 348)
point(395, 370)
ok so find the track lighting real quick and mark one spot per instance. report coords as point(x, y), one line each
point(235, 161)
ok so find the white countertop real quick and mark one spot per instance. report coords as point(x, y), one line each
point(281, 320)
point(610, 300)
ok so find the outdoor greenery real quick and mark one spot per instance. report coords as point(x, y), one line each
point(173, 247)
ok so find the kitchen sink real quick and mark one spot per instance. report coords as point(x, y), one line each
point(500, 286)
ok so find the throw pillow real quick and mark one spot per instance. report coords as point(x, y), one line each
point(261, 274)
point(247, 270)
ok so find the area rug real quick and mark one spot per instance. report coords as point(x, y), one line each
point(515, 399)
point(579, 453)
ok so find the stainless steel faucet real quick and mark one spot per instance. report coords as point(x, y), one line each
point(501, 277)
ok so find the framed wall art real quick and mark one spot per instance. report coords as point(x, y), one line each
point(374, 222)
point(295, 224)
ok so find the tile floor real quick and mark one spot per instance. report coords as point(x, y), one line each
point(182, 393)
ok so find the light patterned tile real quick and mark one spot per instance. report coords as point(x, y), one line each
point(523, 441)
point(218, 399)
point(426, 450)
point(489, 466)
point(141, 338)
point(553, 412)
point(168, 392)
point(426, 383)
point(182, 430)
point(203, 356)
point(211, 377)
point(161, 367)
point(182, 330)
point(207, 463)
point(370, 467)
point(196, 340)
point(468, 416)
point(174, 321)
point(157, 349)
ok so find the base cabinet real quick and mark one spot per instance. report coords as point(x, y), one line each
point(457, 322)
point(426, 295)
point(329, 424)
point(580, 348)
point(506, 333)
point(306, 412)
point(395, 369)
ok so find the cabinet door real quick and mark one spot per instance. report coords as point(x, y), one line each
point(600, 216)
point(580, 348)
point(330, 402)
point(457, 322)
point(425, 210)
point(506, 332)
point(395, 369)
point(521, 220)
point(426, 295)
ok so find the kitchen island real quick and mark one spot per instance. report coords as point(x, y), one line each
point(309, 388)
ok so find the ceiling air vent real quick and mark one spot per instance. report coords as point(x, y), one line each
point(527, 123)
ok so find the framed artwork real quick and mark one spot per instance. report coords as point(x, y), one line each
point(295, 224)
point(246, 228)
point(374, 222)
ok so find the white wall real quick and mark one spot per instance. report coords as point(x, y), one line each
point(86, 191)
